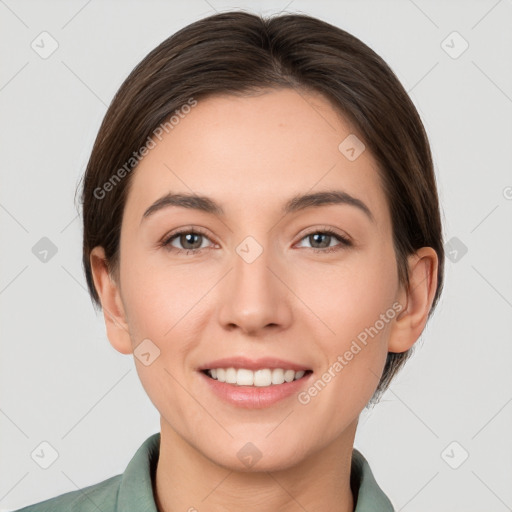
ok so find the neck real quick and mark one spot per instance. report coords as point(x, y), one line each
point(186, 480)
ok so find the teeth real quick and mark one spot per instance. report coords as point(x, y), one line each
point(260, 378)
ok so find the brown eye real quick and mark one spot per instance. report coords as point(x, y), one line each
point(188, 241)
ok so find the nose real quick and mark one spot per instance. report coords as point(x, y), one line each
point(254, 296)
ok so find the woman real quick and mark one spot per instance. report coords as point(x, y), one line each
point(262, 232)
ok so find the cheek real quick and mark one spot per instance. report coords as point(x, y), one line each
point(351, 296)
point(162, 304)
point(159, 295)
point(356, 305)
point(356, 302)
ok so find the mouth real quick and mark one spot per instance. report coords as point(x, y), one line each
point(264, 377)
point(250, 383)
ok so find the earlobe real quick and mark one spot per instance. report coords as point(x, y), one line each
point(417, 300)
point(111, 303)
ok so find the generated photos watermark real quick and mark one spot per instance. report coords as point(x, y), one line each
point(137, 156)
point(304, 397)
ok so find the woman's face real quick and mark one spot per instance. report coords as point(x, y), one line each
point(258, 280)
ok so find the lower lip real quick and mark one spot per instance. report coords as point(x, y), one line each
point(254, 397)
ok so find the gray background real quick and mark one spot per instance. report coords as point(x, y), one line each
point(63, 383)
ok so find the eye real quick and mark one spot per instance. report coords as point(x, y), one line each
point(189, 239)
point(324, 238)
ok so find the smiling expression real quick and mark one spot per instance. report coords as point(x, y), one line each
point(247, 233)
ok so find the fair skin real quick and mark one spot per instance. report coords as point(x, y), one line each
point(251, 155)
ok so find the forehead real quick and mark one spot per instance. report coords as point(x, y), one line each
point(256, 151)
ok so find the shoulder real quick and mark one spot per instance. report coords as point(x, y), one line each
point(131, 491)
point(101, 496)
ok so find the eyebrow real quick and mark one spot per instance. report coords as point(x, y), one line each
point(296, 203)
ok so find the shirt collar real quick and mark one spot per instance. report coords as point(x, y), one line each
point(368, 496)
point(136, 488)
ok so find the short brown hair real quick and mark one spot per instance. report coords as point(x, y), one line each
point(240, 53)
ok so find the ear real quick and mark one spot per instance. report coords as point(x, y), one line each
point(111, 303)
point(416, 300)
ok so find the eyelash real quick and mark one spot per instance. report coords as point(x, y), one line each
point(344, 242)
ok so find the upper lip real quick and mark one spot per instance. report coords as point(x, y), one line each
point(253, 364)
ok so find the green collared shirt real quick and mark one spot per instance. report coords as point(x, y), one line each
point(133, 490)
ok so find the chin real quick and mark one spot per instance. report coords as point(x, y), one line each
point(254, 457)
